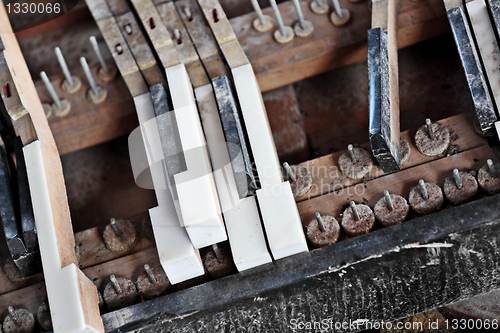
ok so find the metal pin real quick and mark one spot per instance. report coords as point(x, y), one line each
point(188, 12)
point(218, 255)
point(115, 283)
point(115, 227)
point(93, 41)
point(258, 11)
point(296, 4)
point(338, 10)
point(278, 18)
point(64, 66)
point(423, 189)
point(428, 123)
point(354, 210)
point(150, 274)
point(320, 3)
point(388, 200)
point(350, 148)
point(458, 180)
point(491, 168)
point(13, 314)
point(89, 76)
point(177, 35)
point(320, 222)
point(289, 172)
point(50, 88)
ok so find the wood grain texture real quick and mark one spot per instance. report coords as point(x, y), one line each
point(328, 47)
point(89, 124)
point(29, 99)
point(399, 183)
point(327, 176)
point(52, 167)
point(130, 266)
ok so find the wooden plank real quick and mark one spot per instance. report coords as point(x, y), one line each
point(130, 267)
point(89, 124)
point(327, 176)
point(93, 251)
point(328, 47)
point(399, 183)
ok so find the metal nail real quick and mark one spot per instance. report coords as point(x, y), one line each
point(458, 179)
point(150, 274)
point(89, 76)
point(321, 226)
point(128, 29)
point(388, 200)
point(13, 314)
point(338, 10)
point(354, 210)
point(177, 36)
point(428, 123)
point(320, 3)
point(423, 189)
point(278, 17)
point(93, 41)
point(218, 254)
point(491, 168)
point(50, 88)
point(188, 12)
point(296, 4)
point(64, 66)
point(115, 284)
point(350, 148)
point(289, 172)
point(115, 227)
point(258, 11)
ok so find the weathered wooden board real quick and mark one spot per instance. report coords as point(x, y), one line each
point(327, 176)
point(329, 47)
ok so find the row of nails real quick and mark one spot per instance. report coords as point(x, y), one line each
point(72, 84)
point(303, 28)
point(454, 190)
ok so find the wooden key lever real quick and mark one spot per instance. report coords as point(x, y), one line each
point(72, 296)
point(383, 85)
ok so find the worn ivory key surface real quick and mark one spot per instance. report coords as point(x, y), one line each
point(198, 199)
point(241, 216)
point(71, 295)
point(277, 205)
point(177, 256)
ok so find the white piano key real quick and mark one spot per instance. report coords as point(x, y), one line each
point(241, 216)
point(277, 205)
point(487, 43)
point(198, 199)
point(179, 259)
point(64, 285)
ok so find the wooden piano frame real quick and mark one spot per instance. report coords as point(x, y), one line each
point(387, 274)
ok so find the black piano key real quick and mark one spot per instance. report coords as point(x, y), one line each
point(473, 72)
point(384, 146)
point(25, 205)
point(235, 137)
point(169, 133)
